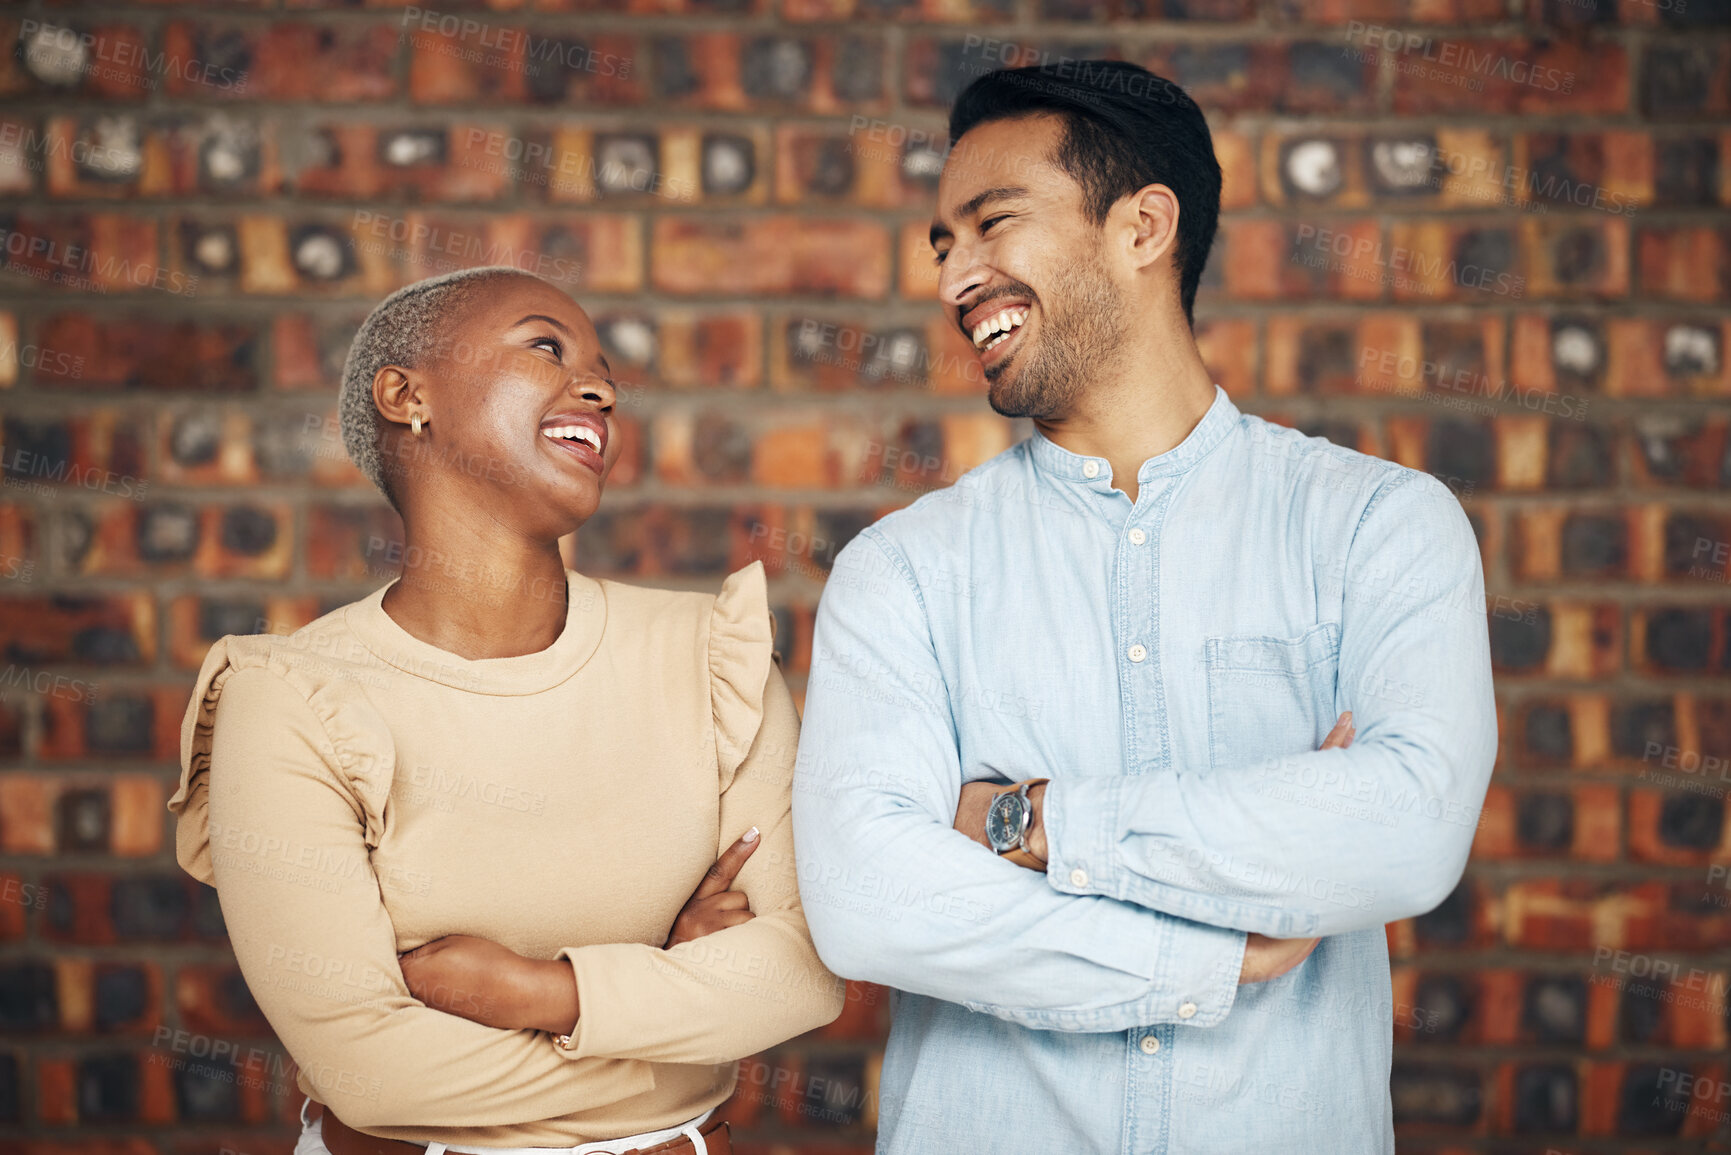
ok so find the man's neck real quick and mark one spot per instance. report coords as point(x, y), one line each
point(1134, 414)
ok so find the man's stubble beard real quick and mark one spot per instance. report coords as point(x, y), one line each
point(1080, 336)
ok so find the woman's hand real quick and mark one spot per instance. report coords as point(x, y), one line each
point(712, 906)
point(476, 979)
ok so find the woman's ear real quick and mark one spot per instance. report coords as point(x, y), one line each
point(398, 395)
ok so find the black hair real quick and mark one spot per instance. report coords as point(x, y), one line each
point(1124, 128)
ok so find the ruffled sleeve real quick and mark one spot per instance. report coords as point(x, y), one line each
point(741, 649)
point(356, 746)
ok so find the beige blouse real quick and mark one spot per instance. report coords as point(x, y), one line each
point(353, 792)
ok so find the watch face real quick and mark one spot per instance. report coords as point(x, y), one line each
point(1004, 821)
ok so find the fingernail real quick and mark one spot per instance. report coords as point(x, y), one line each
point(749, 835)
point(1347, 717)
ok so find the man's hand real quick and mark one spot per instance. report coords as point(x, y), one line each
point(1268, 958)
point(712, 906)
point(476, 979)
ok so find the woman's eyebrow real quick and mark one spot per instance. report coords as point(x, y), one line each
point(543, 317)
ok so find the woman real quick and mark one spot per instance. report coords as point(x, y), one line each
point(487, 840)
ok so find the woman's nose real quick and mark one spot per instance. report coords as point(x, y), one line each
point(596, 389)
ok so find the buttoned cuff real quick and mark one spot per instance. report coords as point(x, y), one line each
point(1200, 972)
point(1079, 840)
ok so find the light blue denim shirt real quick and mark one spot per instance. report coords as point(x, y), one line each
point(1171, 665)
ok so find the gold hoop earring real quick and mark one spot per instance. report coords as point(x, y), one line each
point(415, 424)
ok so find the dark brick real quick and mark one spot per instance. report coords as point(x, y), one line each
point(1546, 1099)
point(1451, 922)
point(1680, 639)
point(721, 449)
point(1594, 544)
point(1554, 1009)
point(1327, 358)
point(1548, 734)
point(1545, 821)
point(81, 821)
point(27, 996)
point(1444, 1004)
point(1579, 256)
point(1476, 250)
point(776, 68)
point(1636, 724)
point(207, 1091)
point(1323, 77)
point(207, 913)
point(1690, 542)
point(1691, 821)
point(148, 908)
point(195, 438)
point(248, 531)
point(1686, 172)
point(1426, 1093)
point(1677, 79)
point(837, 527)
point(120, 725)
point(858, 71)
point(11, 1089)
point(218, 618)
point(1649, 1103)
point(1581, 456)
point(167, 533)
point(835, 1091)
point(1707, 13)
point(1519, 645)
point(108, 1089)
point(1462, 449)
point(1343, 433)
point(122, 996)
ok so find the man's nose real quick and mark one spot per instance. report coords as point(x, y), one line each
point(960, 277)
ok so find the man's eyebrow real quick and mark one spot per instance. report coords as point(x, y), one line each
point(559, 325)
point(974, 204)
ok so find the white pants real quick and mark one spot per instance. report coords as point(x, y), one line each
point(312, 1140)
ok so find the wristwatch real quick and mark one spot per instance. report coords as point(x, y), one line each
point(1008, 820)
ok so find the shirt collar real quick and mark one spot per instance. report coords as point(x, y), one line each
point(1221, 419)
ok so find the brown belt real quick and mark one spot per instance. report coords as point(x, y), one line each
point(345, 1140)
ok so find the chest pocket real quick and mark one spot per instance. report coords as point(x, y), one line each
point(1269, 697)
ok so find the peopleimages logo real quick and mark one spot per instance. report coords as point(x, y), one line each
point(1461, 59)
point(512, 43)
point(53, 260)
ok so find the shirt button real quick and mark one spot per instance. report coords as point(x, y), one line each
point(1138, 652)
point(1137, 537)
point(1078, 877)
point(1090, 469)
point(1187, 1011)
point(1150, 1045)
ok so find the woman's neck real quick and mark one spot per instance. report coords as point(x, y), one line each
point(479, 597)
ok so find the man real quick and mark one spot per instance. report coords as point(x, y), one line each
point(1149, 614)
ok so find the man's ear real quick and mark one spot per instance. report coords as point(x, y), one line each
point(1153, 225)
point(397, 394)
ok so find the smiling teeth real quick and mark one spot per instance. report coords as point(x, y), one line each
point(578, 432)
point(1003, 323)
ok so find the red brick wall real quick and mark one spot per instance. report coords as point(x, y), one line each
point(1496, 250)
